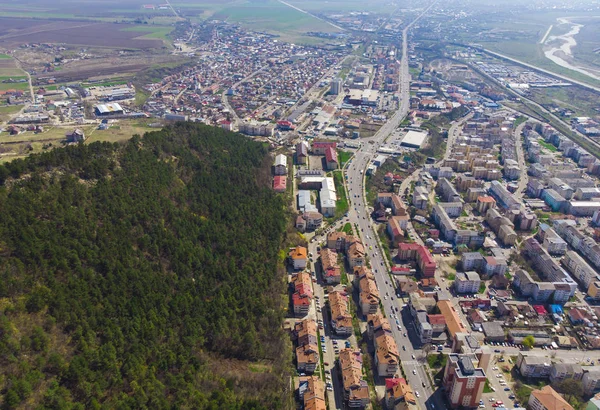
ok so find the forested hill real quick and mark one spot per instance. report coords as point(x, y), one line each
point(142, 275)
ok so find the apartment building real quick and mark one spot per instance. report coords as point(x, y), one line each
point(467, 282)
point(341, 319)
point(463, 382)
point(356, 389)
point(547, 399)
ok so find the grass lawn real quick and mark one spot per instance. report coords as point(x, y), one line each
point(547, 145)
point(347, 228)
point(519, 121)
point(436, 361)
point(341, 205)
point(343, 157)
point(4, 56)
point(488, 389)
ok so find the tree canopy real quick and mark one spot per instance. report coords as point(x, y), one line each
point(142, 275)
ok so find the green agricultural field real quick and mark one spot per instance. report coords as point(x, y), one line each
point(152, 31)
point(4, 56)
point(13, 86)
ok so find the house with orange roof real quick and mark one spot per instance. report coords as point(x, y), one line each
point(303, 293)
point(454, 324)
point(305, 332)
point(356, 254)
point(387, 358)
point(307, 358)
point(314, 395)
point(368, 292)
point(356, 389)
point(547, 399)
point(398, 391)
point(341, 319)
point(331, 271)
point(299, 256)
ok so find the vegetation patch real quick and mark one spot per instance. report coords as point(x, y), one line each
point(151, 293)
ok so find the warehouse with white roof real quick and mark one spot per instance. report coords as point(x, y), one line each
point(413, 139)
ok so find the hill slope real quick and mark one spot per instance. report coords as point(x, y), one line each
point(142, 275)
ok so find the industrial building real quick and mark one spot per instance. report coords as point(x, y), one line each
point(104, 110)
point(413, 139)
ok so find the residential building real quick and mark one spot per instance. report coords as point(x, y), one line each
point(330, 270)
point(554, 200)
point(398, 391)
point(562, 371)
point(387, 358)
point(463, 383)
point(279, 183)
point(420, 197)
point(331, 158)
point(419, 253)
point(356, 389)
point(507, 235)
point(395, 230)
point(302, 153)
point(299, 257)
point(368, 292)
point(547, 399)
point(593, 292)
point(484, 203)
point(471, 261)
point(302, 293)
point(591, 380)
point(493, 265)
point(280, 165)
point(356, 254)
point(467, 282)
point(320, 147)
point(453, 322)
point(341, 319)
point(314, 394)
point(307, 358)
point(582, 208)
point(505, 199)
point(534, 367)
point(582, 272)
point(305, 332)
point(585, 194)
point(553, 243)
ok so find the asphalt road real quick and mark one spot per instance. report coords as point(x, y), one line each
point(359, 216)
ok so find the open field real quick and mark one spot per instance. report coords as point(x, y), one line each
point(18, 146)
point(151, 31)
point(374, 6)
point(15, 32)
point(7, 110)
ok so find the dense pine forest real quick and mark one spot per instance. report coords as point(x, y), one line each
point(143, 275)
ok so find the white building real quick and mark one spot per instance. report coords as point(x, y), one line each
point(280, 165)
point(467, 282)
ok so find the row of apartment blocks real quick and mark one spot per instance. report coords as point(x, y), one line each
point(582, 271)
point(311, 392)
point(536, 367)
point(307, 350)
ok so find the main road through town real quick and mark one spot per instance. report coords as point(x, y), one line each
point(411, 357)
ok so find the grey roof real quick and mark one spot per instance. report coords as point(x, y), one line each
point(493, 329)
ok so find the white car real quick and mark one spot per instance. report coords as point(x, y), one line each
point(414, 371)
point(416, 393)
point(413, 356)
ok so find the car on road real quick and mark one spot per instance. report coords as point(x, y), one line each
point(404, 334)
point(404, 348)
point(416, 393)
point(413, 356)
point(507, 389)
point(414, 371)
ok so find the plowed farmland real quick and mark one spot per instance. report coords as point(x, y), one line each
point(15, 32)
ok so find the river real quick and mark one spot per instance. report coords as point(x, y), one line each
point(566, 42)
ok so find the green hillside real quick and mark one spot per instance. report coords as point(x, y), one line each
point(142, 275)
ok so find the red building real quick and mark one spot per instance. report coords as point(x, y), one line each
point(319, 147)
point(279, 183)
point(420, 254)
